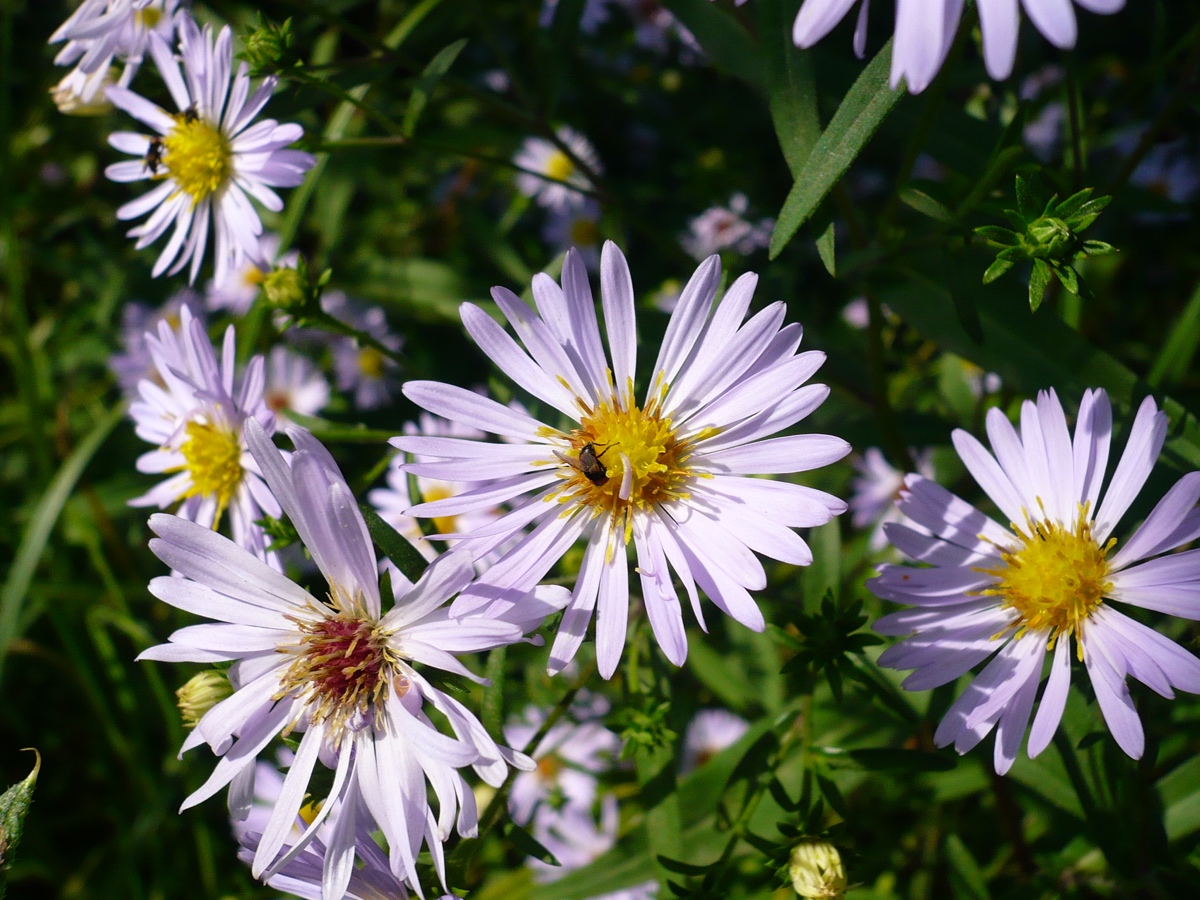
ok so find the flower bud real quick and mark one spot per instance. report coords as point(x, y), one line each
point(80, 94)
point(200, 694)
point(1051, 238)
point(816, 870)
point(267, 45)
point(285, 288)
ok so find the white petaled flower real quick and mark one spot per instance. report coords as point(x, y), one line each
point(394, 501)
point(241, 288)
point(710, 732)
point(654, 26)
point(577, 839)
point(594, 14)
point(925, 30)
point(724, 227)
point(194, 412)
point(134, 362)
point(365, 370)
point(294, 384)
point(98, 33)
point(338, 669)
point(552, 177)
point(877, 487)
point(578, 227)
point(667, 474)
point(1019, 593)
point(570, 759)
point(209, 159)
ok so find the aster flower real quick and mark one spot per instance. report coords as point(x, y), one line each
point(710, 732)
point(570, 759)
point(666, 474)
point(209, 158)
point(578, 227)
point(1047, 581)
point(594, 14)
point(194, 413)
point(100, 32)
point(876, 488)
point(654, 26)
point(577, 839)
point(394, 501)
point(724, 227)
point(925, 30)
point(365, 370)
point(294, 384)
point(340, 671)
point(241, 288)
point(134, 362)
point(550, 176)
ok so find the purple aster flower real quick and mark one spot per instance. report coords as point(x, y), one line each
point(134, 362)
point(667, 474)
point(710, 732)
point(1019, 593)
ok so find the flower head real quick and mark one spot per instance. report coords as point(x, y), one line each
point(876, 489)
point(138, 320)
point(194, 412)
point(294, 384)
point(1046, 582)
point(242, 287)
point(722, 228)
point(816, 870)
point(710, 732)
point(337, 669)
point(209, 158)
point(578, 227)
point(665, 473)
point(361, 368)
point(553, 177)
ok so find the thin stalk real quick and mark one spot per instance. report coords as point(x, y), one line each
point(1075, 127)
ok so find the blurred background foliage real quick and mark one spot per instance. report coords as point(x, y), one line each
point(413, 208)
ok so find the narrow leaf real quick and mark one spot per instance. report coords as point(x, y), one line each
point(1039, 280)
point(925, 205)
point(394, 546)
point(421, 91)
point(825, 249)
point(723, 38)
point(791, 85)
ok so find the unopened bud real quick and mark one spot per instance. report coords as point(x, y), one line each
point(1051, 237)
point(267, 45)
point(816, 870)
point(285, 288)
point(80, 94)
point(200, 694)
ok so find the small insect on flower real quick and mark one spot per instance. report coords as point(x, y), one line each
point(589, 463)
point(154, 155)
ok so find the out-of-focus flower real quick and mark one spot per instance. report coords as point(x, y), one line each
point(241, 288)
point(200, 693)
point(361, 368)
point(209, 158)
point(578, 227)
point(1171, 170)
point(667, 474)
point(925, 30)
point(577, 839)
point(816, 870)
point(877, 487)
point(654, 26)
point(99, 33)
point(1016, 594)
point(294, 384)
point(194, 415)
point(666, 298)
point(595, 13)
point(339, 671)
point(134, 362)
point(723, 227)
point(551, 176)
point(710, 732)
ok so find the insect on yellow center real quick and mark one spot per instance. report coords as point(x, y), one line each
point(343, 669)
point(198, 156)
point(1056, 578)
point(621, 460)
point(559, 166)
point(370, 362)
point(213, 457)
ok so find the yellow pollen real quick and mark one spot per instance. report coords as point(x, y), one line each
point(1056, 579)
point(198, 156)
point(443, 524)
point(559, 166)
point(148, 17)
point(584, 233)
point(214, 460)
point(613, 438)
point(370, 362)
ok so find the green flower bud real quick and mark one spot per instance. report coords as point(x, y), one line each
point(285, 288)
point(1050, 238)
point(816, 870)
point(267, 45)
point(200, 694)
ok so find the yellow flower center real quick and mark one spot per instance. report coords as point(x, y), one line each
point(343, 669)
point(559, 166)
point(614, 445)
point(443, 524)
point(148, 17)
point(253, 276)
point(585, 233)
point(214, 460)
point(198, 156)
point(370, 362)
point(1057, 577)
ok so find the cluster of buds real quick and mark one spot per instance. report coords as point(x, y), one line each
point(1049, 236)
point(816, 870)
point(269, 47)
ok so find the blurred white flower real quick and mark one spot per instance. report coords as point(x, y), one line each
point(724, 227)
point(710, 732)
point(578, 227)
point(877, 487)
point(552, 177)
point(364, 369)
point(595, 13)
point(135, 362)
point(294, 384)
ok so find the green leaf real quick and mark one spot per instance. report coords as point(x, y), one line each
point(791, 86)
point(437, 68)
point(865, 105)
point(1175, 358)
point(37, 532)
point(996, 269)
point(1067, 275)
point(925, 205)
point(1039, 280)
point(1028, 206)
point(529, 845)
point(723, 38)
point(996, 234)
point(825, 249)
point(394, 546)
point(14, 806)
point(965, 874)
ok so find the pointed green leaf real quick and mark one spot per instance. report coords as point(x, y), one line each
point(996, 234)
point(1039, 280)
point(1097, 248)
point(14, 806)
point(926, 205)
point(1067, 275)
point(825, 249)
point(1028, 205)
point(529, 845)
point(421, 91)
point(723, 38)
point(791, 87)
point(865, 105)
point(996, 269)
point(394, 546)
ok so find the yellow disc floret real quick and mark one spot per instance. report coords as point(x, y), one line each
point(371, 362)
point(198, 156)
point(621, 460)
point(213, 458)
point(1056, 578)
point(559, 166)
